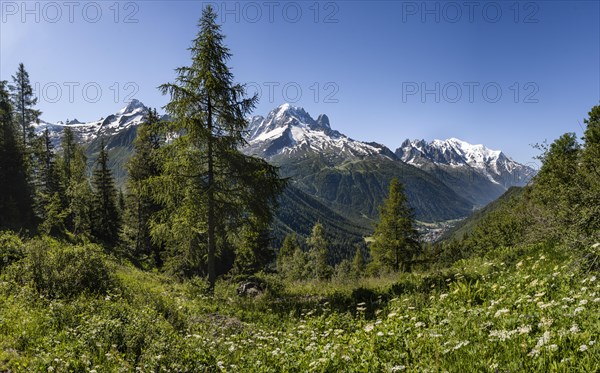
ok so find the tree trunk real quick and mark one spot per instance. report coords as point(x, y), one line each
point(211, 206)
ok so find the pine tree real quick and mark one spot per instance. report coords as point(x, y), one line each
point(24, 101)
point(16, 203)
point(207, 185)
point(105, 211)
point(75, 184)
point(49, 195)
point(318, 244)
point(395, 238)
point(140, 206)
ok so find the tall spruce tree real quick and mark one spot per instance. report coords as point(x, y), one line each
point(140, 206)
point(207, 185)
point(49, 196)
point(16, 203)
point(395, 238)
point(78, 193)
point(24, 101)
point(106, 215)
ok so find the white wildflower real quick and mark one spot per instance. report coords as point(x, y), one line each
point(583, 348)
point(500, 312)
point(524, 329)
point(574, 329)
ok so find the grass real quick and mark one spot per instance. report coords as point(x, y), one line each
point(531, 309)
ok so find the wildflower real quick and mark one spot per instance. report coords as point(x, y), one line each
point(545, 322)
point(460, 344)
point(500, 312)
point(501, 335)
point(380, 334)
point(583, 348)
point(577, 310)
point(393, 314)
point(369, 327)
point(419, 324)
point(524, 329)
point(574, 329)
point(592, 342)
point(543, 339)
point(552, 347)
point(398, 368)
point(443, 296)
point(583, 302)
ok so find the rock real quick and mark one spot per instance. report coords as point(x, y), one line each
point(249, 289)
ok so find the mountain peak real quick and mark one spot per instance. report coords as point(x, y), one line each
point(289, 130)
point(453, 152)
point(131, 107)
point(323, 121)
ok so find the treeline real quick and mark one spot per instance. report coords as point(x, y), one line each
point(42, 190)
point(560, 206)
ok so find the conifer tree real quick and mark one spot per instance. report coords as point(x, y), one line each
point(140, 206)
point(24, 101)
point(395, 238)
point(49, 201)
point(207, 185)
point(16, 203)
point(75, 184)
point(105, 212)
point(318, 244)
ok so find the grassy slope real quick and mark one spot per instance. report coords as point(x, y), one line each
point(530, 309)
point(467, 225)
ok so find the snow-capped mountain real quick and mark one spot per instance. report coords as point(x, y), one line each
point(289, 131)
point(455, 153)
point(128, 117)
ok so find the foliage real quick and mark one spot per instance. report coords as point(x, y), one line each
point(11, 249)
point(527, 309)
point(105, 211)
point(209, 189)
point(23, 101)
point(395, 239)
point(16, 202)
point(141, 167)
point(317, 254)
point(58, 270)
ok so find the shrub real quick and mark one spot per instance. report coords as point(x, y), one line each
point(11, 249)
point(60, 271)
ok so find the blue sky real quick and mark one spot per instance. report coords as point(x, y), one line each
point(505, 74)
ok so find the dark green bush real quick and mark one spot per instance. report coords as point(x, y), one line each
point(63, 271)
point(11, 249)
